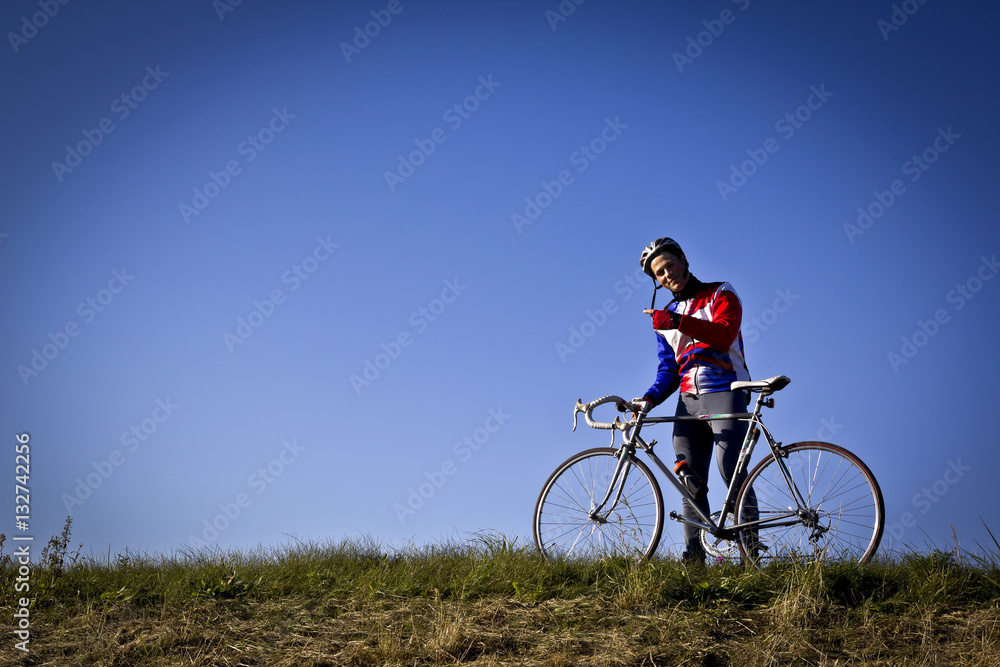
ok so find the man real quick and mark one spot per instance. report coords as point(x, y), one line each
point(700, 350)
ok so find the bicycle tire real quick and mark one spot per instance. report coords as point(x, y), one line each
point(845, 511)
point(563, 527)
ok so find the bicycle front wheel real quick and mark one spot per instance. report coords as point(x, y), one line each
point(630, 524)
point(832, 511)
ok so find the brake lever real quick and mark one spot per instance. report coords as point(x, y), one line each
point(576, 411)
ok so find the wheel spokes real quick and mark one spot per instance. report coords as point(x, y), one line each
point(842, 517)
point(629, 522)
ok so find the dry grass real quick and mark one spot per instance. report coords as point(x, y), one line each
point(492, 603)
point(584, 631)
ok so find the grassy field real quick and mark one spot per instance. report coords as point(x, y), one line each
point(491, 602)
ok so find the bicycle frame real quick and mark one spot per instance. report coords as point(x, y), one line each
point(754, 428)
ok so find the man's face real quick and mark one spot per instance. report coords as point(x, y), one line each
point(670, 271)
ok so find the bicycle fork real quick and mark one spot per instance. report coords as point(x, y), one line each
point(616, 486)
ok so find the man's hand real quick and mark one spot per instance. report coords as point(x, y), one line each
point(664, 319)
point(641, 406)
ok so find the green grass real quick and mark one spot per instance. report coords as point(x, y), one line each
point(491, 600)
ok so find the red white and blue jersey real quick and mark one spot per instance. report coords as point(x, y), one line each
point(704, 353)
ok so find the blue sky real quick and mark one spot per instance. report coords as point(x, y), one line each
point(265, 271)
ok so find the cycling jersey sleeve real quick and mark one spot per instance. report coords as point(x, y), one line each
point(721, 331)
point(667, 378)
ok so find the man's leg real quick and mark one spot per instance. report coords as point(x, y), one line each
point(729, 437)
point(693, 443)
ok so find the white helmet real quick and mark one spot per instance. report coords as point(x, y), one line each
point(657, 247)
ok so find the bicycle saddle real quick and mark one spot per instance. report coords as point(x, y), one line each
point(769, 386)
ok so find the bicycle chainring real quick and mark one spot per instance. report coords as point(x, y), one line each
point(716, 548)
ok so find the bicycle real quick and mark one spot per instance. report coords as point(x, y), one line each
point(805, 501)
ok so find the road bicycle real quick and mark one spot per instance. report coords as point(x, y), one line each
point(806, 501)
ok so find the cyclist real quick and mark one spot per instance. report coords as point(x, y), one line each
point(700, 350)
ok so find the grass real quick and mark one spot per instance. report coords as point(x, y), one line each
point(491, 601)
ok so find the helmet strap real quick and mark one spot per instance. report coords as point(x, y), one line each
point(656, 286)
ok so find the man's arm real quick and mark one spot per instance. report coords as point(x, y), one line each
point(667, 378)
point(720, 332)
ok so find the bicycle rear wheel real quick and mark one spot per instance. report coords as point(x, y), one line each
point(564, 527)
point(842, 516)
